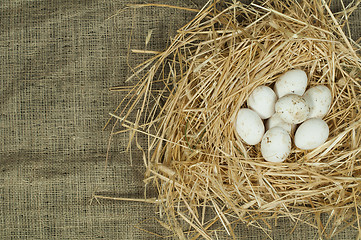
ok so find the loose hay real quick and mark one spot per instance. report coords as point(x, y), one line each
point(186, 104)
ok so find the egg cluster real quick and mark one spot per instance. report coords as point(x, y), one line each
point(287, 110)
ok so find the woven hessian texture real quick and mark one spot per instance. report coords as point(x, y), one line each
point(57, 62)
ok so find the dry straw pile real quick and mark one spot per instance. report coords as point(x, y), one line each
point(187, 100)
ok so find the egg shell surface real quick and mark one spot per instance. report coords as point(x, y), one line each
point(292, 108)
point(276, 145)
point(249, 126)
point(291, 82)
point(318, 99)
point(311, 134)
point(262, 100)
point(277, 121)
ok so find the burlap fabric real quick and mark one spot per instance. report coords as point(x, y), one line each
point(57, 61)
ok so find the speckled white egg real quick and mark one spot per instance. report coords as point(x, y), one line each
point(318, 99)
point(291, 82)
point(292, 108)
point(262, 100)
point(276, 145)
point(277, 121)
point(249, 126)
point(311, 134)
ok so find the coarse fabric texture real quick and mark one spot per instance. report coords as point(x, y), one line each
point(57, 61)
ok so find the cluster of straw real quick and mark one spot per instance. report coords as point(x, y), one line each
point(189, 98)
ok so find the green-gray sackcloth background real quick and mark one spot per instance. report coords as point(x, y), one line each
point(58, 59)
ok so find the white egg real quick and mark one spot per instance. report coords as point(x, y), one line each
point(276, 145)
point(291, 82)
point(277, 121)
point(311, 134)
point(292, 108)
point(319, 100)
point(262, 100)
point(249, 126)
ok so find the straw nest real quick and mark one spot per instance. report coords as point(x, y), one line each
point(187, 100)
